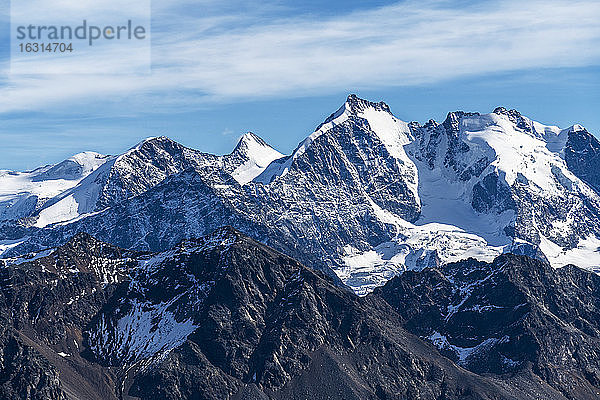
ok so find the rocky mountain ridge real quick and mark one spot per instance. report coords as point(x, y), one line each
point(363, 198)
point(224, 316)
point(504, 317)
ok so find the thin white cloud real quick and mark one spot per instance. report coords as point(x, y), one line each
point(245, 55)
point(227, 132)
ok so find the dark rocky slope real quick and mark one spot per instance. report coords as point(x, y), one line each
point(511, 316)
point(227, 317)
point(582, 154)
point(46, 302)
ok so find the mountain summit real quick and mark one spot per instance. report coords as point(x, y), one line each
point(251, 156)
point(22, 193)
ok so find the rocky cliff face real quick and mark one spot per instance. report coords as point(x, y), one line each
point(582, 154)
point(513, 315)
point(46, 302)
point(224, 316)
point(26, 374)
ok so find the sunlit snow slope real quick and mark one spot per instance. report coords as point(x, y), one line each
point(22, 193)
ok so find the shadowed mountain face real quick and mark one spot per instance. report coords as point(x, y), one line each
point(582, 154)
point(515, 314)
point(224, 316)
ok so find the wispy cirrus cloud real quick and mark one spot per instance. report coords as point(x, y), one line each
point(266, 52)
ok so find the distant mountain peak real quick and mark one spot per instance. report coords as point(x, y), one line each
point(576, 128)
point(75, 167)
point(522, 122)
point(84, 156)
point(155, 141)
point(252, 155)
point(249, 141)
point(453, 119)
point(356, 104)
point(505, 111)
point(370, 118)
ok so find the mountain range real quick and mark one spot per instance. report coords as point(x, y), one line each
point(224, 316)
point(379, 260)
point(363, 198)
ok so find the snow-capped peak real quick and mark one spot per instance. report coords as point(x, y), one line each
point(255, 155)
point(89, 160)
point(518, 147)
point(356, 105)
point(142, 166)
point(21, 193)
point(250, 142)
point(150, 140)
point(554, 137)
point(393, 132)
point(73, 168)
point(576, 128)
point(142, 144)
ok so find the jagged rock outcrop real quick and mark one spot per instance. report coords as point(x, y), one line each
point(582, 154)
point(513, 316)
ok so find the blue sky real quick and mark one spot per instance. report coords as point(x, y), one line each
point(277, 68)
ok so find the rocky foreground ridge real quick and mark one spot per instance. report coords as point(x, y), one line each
point(224, 316)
